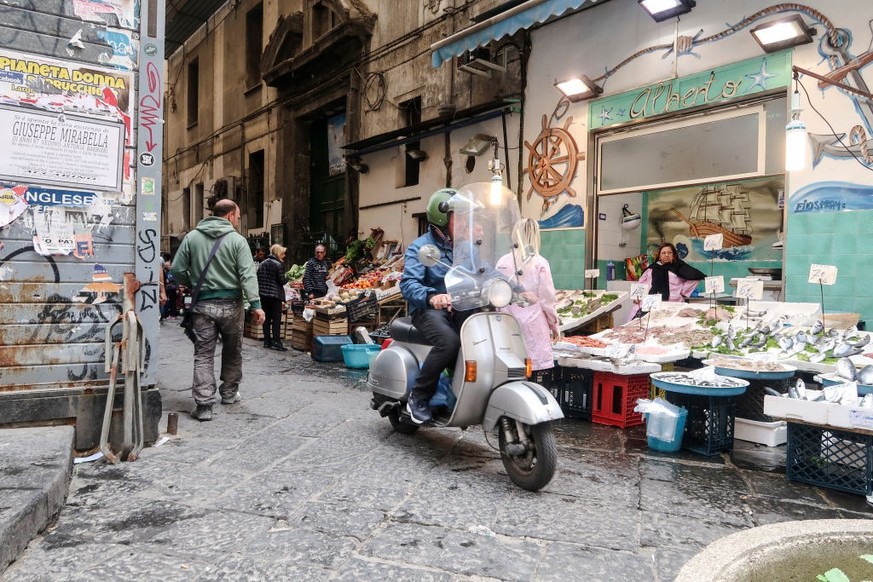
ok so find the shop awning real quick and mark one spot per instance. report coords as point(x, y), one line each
point(521, 17)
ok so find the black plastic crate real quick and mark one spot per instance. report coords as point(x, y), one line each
point(826, 457)
point(709, 428)
point(750, 404)
point(364, 307)
point(572, 390)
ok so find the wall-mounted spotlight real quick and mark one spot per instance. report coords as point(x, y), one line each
point(417, 155)
point(663, 9)
point(783, 33)
point(478, 144)
point(358, 165)
point(579, 89)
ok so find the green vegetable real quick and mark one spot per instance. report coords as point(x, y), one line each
point(295, 272)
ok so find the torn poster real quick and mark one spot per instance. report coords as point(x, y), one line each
point(12, 204)
point(84, 245)
point(54, 235)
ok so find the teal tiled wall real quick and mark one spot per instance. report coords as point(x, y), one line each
point(833, 238)
point(565, 251)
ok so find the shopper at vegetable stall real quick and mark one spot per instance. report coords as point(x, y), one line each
point(315, 274)
point(271, 288)
point(537, 316)
point(669, 276)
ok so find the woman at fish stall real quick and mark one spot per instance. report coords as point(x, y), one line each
point(538, 317)
point(669, 276)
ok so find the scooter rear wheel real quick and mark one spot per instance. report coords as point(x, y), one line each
point(399, 424)
point(533, 469)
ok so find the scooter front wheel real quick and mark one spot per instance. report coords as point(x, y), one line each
point(532, 465)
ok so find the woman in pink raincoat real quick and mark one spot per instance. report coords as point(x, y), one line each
point(538, 317)
point(670, 277)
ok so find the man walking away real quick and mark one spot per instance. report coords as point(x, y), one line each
point(219, 311)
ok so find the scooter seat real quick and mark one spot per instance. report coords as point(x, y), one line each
point(402, 330)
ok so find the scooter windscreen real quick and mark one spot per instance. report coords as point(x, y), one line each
point(485, 214)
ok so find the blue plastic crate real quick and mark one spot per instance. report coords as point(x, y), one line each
point(831, 458)
point(709, 428)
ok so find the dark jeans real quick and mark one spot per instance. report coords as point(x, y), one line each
point(440, 327)
point(272, 325)
point(171, 308)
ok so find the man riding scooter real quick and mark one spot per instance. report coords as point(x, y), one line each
point(424, 288)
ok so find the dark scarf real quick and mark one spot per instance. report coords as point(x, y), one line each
point(661, 276)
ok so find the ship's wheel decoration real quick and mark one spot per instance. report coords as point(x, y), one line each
point(552, 162)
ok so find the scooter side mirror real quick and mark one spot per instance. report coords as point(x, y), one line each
point(429, 255)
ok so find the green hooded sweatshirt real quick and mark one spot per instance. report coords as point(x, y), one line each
point(231, 273)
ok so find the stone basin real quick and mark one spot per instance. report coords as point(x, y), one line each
point(792, 550)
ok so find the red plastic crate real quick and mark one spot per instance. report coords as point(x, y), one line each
point(614, 398)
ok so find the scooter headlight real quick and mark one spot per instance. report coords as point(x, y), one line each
point(499, 293)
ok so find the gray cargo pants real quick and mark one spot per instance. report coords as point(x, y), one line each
point(214, 318)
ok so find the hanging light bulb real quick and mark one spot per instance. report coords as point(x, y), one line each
point(496, 197)
point(795, 137)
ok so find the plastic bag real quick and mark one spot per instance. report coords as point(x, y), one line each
point(661, 417)
point(308, 314)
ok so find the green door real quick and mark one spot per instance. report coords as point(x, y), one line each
point(327, 192)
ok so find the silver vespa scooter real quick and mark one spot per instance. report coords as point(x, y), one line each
point(490, 383)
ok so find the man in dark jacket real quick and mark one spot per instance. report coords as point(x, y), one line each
point(230, 278)
point(315, 274)
point(424, 289)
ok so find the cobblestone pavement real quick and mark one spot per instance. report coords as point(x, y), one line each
point(302, 481)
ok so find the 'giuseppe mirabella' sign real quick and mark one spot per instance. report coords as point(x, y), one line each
point(61, 149)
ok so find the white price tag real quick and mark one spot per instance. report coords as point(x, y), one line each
point(861, 417)
point(592, 273)
point(651, 302)
point(714, 285)
point(750, 289)
point(713, 242)
point(824, 274)
point(616, 351)
point(638, 291)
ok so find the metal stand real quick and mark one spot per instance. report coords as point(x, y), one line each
point(130, 353)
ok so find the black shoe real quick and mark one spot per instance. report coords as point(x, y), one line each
point(277, 345)
point(419, 412)
point(203, 412)
point(268, 344)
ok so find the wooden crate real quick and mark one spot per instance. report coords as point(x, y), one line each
point(332, 327)
point(256, 330)
point(301, 334)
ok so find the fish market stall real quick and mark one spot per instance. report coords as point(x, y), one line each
point(578, 309)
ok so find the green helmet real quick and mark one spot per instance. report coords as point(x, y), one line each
point(435, 214)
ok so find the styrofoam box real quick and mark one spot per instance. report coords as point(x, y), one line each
point(850, 417)
point(771, 434)
point(793, 409)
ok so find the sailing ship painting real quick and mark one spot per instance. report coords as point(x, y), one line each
point(721, 209)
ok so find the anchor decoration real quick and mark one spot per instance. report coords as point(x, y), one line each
point(552, 162)
point(846, 69)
